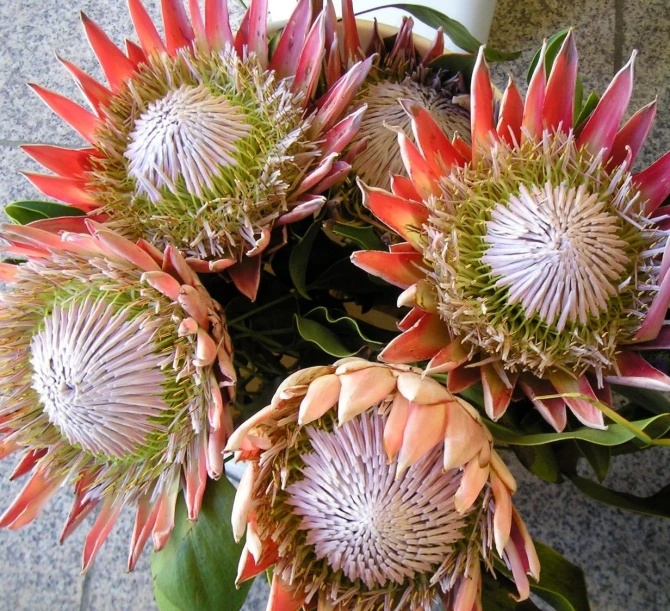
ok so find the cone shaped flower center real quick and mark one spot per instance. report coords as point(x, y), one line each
point(363, 521)
point(557, 251)
point(380, 158)
point(98, 377)
point(542, 256)
point(190, 135)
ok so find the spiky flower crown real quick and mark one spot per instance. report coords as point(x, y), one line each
point(399, 71)
point(115, 375)
point(370, 486)
point(534, 257)
point(204, 141)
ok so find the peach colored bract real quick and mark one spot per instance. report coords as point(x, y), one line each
point(371, 486)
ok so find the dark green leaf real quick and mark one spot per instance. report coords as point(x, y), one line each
point(615, 434)
point(197, 568)
point(561, 584)
point(553, 47)
point(456, 31)
point(322, 336)
point(657, 505)
point(598, 457)
point(300, 258)
point(587, 109)
point(539, 460)
point(456, 62)
point(651, 400)
point(365, 237)
point(497, 595)
point(339, 336)
point(26, 212)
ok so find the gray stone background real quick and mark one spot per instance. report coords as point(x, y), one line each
point(625, 556)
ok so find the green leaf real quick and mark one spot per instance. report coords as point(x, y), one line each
point(456, 62)
point(364, 237)
point(651, 400)
point(541, 461)
point(561, 584)
point(599, 457)
point(587, 109)
point(657, 505)
point(322, 336)
point(300, 258)
point(197, 568)
point(616, 434)
point(25, 212)
point(339, 336)
point(497, 595)
point(553, 47)
point(455, 30)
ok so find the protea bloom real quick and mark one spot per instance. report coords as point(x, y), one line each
point(536, 258)
point(204, 141)
point(370, 486)
point(115, 376)
point(402, 71)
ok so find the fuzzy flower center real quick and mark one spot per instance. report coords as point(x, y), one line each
point(363, 521)
point(542, 256)
point(381, 158)
point(557, 251)
point(189, 134)
point(98, 377)
point(202, 151)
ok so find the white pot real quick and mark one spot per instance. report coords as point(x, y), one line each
point(475, 15)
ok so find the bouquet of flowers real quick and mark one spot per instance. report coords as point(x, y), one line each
point(334, 264)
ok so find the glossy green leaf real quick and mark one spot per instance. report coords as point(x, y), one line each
point(657, 505)
point(456, 62)
point(561, 584)
point(599, 457)
point(339, 336)
point(540, 461)
point(364, 237)
point(615, 434)
point(197, 568)
point(553, 47)
point(322, 336)
point(650, 400)
point(498, 593)
point(300, 259)
point(587, 109)
point(455, 30)
point(25, 212)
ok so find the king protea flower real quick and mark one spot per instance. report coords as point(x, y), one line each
point(115, 376)
point(401, 72)
point(534, 259)
point(203, 141)
point(370, 486)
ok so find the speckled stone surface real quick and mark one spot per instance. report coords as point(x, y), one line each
point(624, 555)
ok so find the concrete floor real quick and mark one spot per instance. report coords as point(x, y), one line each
point(625, 556)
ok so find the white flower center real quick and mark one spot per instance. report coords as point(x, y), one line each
point(190, 134)
point(365, 522)
point(558, 251)
point(98, 377)
point(381, 158)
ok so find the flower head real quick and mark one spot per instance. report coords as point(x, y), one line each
point(115, 376)
point(536, 256)
point(372, 487)
point(402, 71)
point(204, 141)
